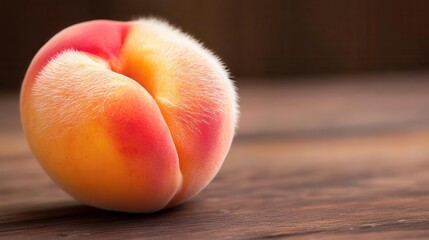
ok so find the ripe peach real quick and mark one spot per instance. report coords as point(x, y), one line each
point(128, 116)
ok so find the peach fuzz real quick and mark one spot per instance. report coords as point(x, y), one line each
point(128, 116)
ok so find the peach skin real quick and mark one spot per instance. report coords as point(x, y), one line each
point(128, 116)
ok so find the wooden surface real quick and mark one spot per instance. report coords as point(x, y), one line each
point(346, 157)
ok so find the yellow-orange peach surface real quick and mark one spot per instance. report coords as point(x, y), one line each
point(128, 116)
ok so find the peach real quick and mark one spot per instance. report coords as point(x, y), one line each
point(128, 116)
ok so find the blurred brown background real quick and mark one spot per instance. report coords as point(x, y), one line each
point(255, 38)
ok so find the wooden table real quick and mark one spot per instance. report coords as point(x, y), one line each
point(332, 158)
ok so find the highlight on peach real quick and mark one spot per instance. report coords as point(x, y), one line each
point(128, 116)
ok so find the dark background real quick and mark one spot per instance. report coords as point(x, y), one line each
point(257, 39)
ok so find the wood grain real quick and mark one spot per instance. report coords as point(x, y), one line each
point(341, 160)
